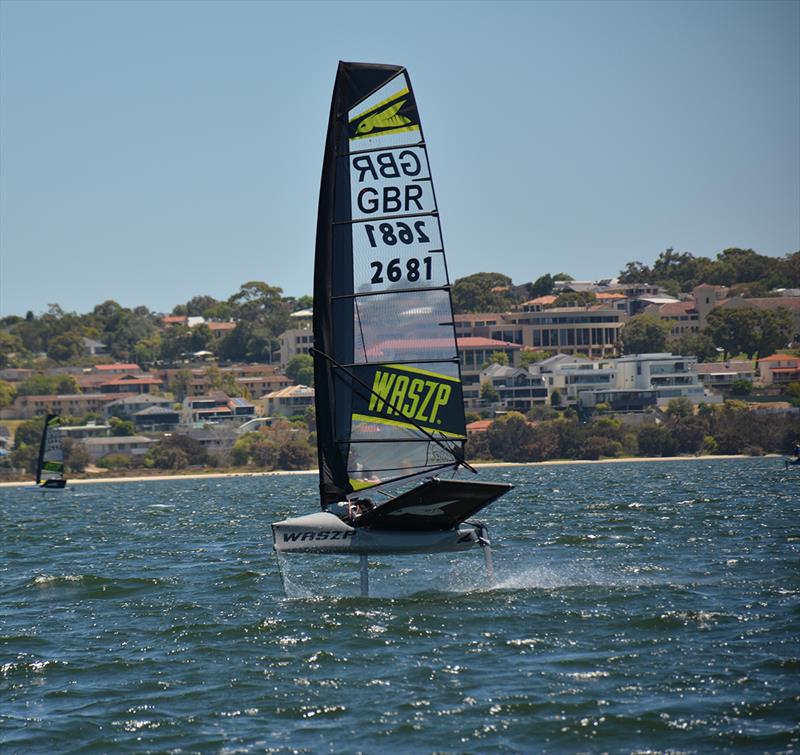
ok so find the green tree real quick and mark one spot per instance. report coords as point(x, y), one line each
point(7, 394)
point(542, 286)
point(300, 369)
point(741, 388)
point(644, 334)
point(177, 451)
point(179, 384)
point(575, 299)
point(119, 461)
point(76, 457)
point(488, 392)
point(699, 345)
point(529, 356)
point(511, 438)
point(24, 456)
point(65, 347)
point(11, 348)
point(748, 330)
point(483, 292)
point(29, 432)
point(121, 427)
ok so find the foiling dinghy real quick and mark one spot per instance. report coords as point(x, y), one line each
point(50, 462)
point(387, 379)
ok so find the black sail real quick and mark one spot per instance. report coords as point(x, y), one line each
point(50, 463)
point(389, 403)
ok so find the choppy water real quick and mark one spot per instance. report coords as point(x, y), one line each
point(640, 606)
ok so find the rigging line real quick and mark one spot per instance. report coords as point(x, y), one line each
point(459, 462)
point(425, 473)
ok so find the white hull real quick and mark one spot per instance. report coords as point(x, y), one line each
point(327, 533)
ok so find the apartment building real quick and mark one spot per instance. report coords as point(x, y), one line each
point(516, 387)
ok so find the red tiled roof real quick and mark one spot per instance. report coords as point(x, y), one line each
point(117, 367)
point(220, 326)
point(611, 296)
point(780, 358)
point(543, 300)
point(470, 317)
point(174, 319)
point(478, 342)
point(479, 426)
point(791, 303)
point(677, 308)
point(132, 381)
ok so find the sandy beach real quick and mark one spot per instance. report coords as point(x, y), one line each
point(478, 465)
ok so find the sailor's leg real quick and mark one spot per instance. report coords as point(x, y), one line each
point(364, 576)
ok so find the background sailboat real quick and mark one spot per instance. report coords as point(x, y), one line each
point(50, 462)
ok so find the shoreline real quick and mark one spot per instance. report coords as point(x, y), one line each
point(477, 465)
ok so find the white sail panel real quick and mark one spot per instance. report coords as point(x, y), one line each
point(409, 326)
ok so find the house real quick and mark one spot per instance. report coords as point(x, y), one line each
point(70, 404)
point(92, 348)
point(570, 375)
point(128, 406)
point(131, 384)
point(129, 445)
point(89, 430)
point(294, 342)
point(116, 368)
point(290, 401)
point(216, 407)
point(722, 375)
point(475, 353)
point(779, 369)
point(592, 330)
point(215, 438)
point(516, 387)
point(156, 419)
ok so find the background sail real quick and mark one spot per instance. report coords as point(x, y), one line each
point(388, 384)
point(50, 464)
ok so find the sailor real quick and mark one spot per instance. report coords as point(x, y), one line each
point(349, 510)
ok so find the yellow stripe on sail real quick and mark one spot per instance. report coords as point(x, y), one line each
point(435, 432)
point(420, 371)
point(389, 99)
point(376, 134)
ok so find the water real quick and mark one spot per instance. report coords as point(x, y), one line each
point(640, 606)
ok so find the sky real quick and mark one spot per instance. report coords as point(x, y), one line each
point(155, 151)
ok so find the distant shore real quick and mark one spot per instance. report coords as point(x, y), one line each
point(481, 465)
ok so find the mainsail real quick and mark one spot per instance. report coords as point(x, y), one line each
point(389, 404)
point(50, 464)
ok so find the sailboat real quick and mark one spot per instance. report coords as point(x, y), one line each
point(389, 404)
point(50, 463)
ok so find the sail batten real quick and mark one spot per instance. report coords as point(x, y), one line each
point(387, 374)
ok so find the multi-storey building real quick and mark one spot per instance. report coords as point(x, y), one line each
point(517, 388)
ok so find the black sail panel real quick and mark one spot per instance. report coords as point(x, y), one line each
point(387, 378)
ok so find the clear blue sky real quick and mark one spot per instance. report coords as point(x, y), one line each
point(153, 151)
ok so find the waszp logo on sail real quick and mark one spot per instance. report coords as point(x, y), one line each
point(420, 398)
point(396, 113)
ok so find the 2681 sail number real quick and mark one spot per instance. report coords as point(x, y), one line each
point(394, 270)
point(403, 233)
